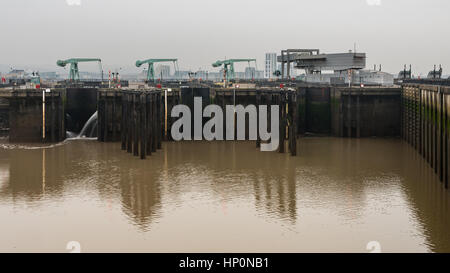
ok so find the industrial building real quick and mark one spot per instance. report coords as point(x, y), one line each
point(270, 65)
point(336, 68)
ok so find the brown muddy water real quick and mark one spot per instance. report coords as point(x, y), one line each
point(336, 196)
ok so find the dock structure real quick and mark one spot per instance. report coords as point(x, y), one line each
point(34, 115)
point(141, 119)
point(142, 122)
point(137, 119)
point(425, 124)
point(288, 111)
point(315, 110)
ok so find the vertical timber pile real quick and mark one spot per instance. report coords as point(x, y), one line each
point(143, 126)
point(139, 117)
point(136, 109)
point(129, 122)
point(293, 122)
point(282, 106)
point(258, 103)
point(123, 125)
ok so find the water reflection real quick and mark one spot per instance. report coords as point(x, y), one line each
point(339, 192)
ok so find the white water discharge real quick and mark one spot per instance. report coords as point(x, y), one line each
point(90, 128)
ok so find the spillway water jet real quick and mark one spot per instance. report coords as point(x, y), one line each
point(89, 130)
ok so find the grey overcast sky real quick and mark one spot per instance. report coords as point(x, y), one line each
point(35, 33)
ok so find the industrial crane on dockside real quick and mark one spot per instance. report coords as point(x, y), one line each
point(74, 73)
point(228, 66)
point(151, 70)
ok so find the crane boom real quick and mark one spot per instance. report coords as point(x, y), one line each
point(229, 66)
point(151, 62)
point(74, 73)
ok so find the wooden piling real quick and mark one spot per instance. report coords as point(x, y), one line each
point(52, 119)
point(349, 113)
point(154, 125)
point(129, 122)
point(123, 124)
point(358, 116)
point(149, 123)
point(159, 120)
point(113, 119)
point(282, 114)
point(143, 126)
point(293, 124)
point(435, 132)
point(440, 135)
point(105, 117)
point(421, 127)
point(258, 102)
point(444, 140)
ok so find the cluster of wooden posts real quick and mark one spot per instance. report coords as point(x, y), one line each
point(142, 122)
point(138, 117)
point(288, 111)
point(426, 124)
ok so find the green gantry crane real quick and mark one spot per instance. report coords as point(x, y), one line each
point(229, 67)
point(151, 70)
point(74, 73)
